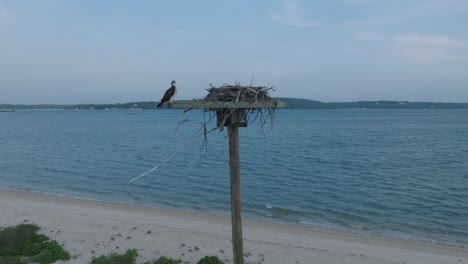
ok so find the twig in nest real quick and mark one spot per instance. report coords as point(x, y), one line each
point(256, 94)
point(237, 100)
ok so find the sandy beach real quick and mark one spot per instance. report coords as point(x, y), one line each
point(88, 228)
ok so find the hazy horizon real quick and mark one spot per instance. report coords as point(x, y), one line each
point(89, 52)
point(125, 102)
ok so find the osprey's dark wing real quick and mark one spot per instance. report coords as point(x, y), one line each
point(167, 96)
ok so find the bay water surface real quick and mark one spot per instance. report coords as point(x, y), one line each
point(397, 173)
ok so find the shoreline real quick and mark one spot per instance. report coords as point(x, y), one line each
point(327, 229)
point(90, 228)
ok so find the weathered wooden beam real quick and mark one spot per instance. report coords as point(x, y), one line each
point(236, 218)
point(226, 105)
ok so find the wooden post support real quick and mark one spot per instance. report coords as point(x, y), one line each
point(236, 119)
point(234, 162)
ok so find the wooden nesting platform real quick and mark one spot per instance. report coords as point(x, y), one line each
point(213, 106)
point(236, 111)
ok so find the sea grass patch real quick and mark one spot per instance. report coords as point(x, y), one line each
point(210, 260)
point(164, 260)
point(128, 257)
point(22, 244)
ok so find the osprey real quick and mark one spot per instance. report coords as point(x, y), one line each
point(169, 94)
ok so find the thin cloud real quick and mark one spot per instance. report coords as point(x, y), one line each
point(292, 14)
point(5, 13)
point(428, 48)
point(420, 10)
point(369, 36)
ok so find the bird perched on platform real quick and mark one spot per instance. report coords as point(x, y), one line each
point(169, 94)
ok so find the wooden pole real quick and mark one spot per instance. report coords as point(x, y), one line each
point(237, 119)
point(234, 163)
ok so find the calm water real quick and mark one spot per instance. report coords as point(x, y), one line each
point(400, 173)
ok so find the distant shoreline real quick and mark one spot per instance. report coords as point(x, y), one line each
point(292, 103)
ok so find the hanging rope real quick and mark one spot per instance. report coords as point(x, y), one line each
point(190, 140)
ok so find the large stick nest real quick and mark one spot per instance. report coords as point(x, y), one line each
point(238, 93)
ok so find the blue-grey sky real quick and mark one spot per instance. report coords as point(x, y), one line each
point(87, 51)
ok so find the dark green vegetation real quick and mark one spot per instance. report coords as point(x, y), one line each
point(164, 260)
point(11, 260)
point(130, 258)
point(210, 260)
point(292, 103)
point(22, 244)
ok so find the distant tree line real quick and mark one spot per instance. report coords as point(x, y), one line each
point(131, 105)
point(292, 103)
